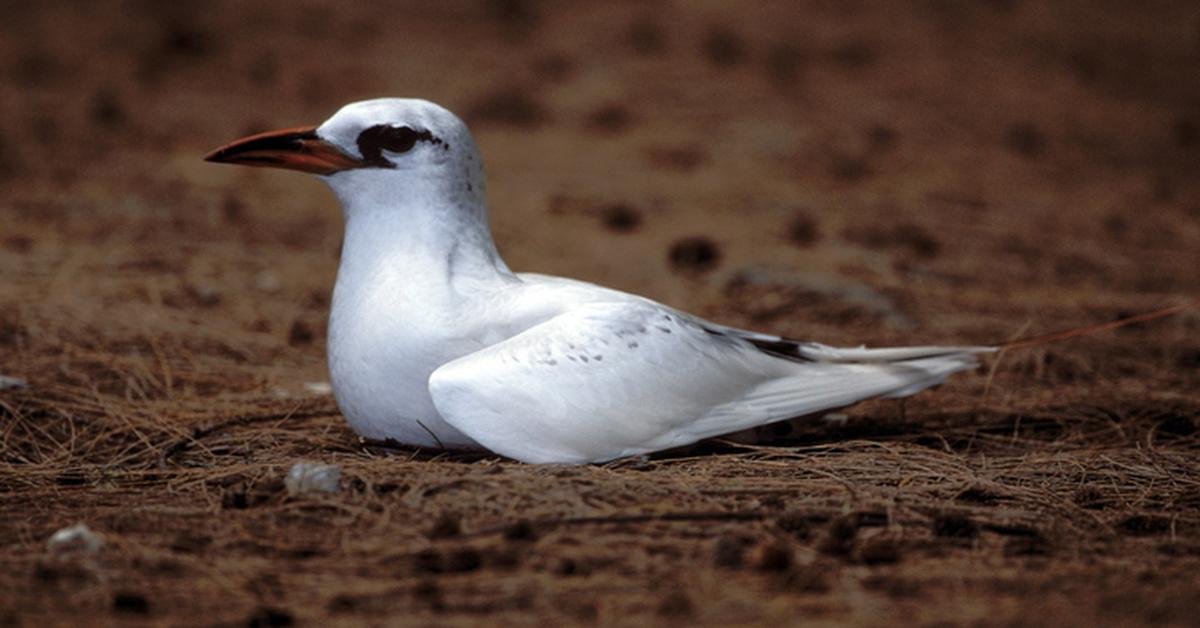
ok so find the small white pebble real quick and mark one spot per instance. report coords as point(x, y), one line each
point(206, 294)
point(836, 418)
point(267, 281)
point(77, 538)
point(7, 383)
point(312, 477)
point(318, 388)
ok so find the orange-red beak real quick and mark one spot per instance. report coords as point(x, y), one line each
point(293, 149)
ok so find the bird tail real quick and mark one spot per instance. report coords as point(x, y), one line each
point(844, 355)
point(828, 377)
point(837, 378)
point(841, 377)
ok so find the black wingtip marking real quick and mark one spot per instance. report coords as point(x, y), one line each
point(779, 348)
point(782, 348)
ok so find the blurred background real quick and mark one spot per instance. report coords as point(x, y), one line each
point(853, 171)
point(921, 171)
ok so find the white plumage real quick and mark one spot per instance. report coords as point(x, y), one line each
point(435, 342)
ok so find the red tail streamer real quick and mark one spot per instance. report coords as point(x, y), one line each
point(1033, 341)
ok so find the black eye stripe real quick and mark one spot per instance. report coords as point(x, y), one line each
point(394, 139)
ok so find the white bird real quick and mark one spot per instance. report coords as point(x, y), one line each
point(434, 342)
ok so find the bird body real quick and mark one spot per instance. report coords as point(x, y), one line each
point(434, 341)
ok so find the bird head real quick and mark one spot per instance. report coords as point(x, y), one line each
point(388, 145)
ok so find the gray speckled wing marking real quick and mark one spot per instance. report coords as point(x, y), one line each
point(598, 382)
point(618, 378)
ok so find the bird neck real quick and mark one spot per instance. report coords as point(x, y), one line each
point(425, 236)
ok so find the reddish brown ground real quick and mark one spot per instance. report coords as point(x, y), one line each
point(929, 172)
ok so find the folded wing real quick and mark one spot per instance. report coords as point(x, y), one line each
point(611, 379)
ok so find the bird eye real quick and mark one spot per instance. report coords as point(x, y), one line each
point(398, 139)
point(394, 139)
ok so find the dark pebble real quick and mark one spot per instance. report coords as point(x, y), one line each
point(646, 37)
point(795, 522)
point(729, 552)
point(300, 334)
point(1116, 225)
point(955, 526)
point(1177, 425)
point(1026, 140)
point(806, 579)
point(917, 239)
point(427, 589)
point(520, 531)
point(447, 525)
point(848, 168)
point(506, 558)
point(803, 230)
point(1027, 546)
point(882, 551)
point(554, 67)
point(1144, 525)
point(233, 210)
point(344, 603)
point(895, 586)
point(785, 63)
point(678, 158)
point(722, 47)
point(107, 110)
point(267, 617)
point(430, 593)
point(463, 560)
point(609, 118)
point(855, 55)
point(427, 561)
point(840, 536)
point(773, 557)
point(568, 567)
point(1189, 359)
point(882, 137)
point(234, 500)
point(675, 604)
point(513, 12)
point(186, 40)
point(131, 603)
point(621, 218)
point(695, 254)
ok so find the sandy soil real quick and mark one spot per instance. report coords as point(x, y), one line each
point(915, 172)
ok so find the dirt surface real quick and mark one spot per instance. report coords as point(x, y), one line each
point(914, 172)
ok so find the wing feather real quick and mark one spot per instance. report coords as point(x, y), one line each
point(612, 379)
point(596, 382)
